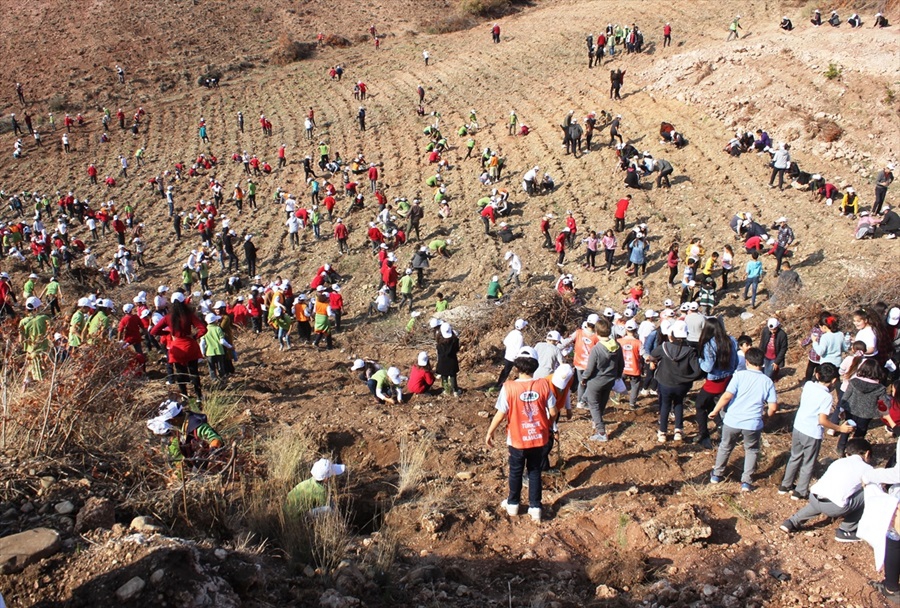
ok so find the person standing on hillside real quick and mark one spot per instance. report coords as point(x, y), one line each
point(734, 27)
point(784, 239)
point(513, 122)
point(361, 116)
point(749, 395)
point(528, 405)
point(240, 121)
point(495, 33)
point(616, 79)
point(667, 35)
point(883, 180)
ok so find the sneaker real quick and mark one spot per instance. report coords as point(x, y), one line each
point(644, 392)
point(890, 235)
point(581, 405)
point(746, 487)
point(653, 392)
point(535, 513)
point(599, 437)
point(788, 527)
point(511, 510)
point(830, 432)
point(715, 479)
point(660, 437)
point(795, 495)
point(842, 536)
point(678, 435)
point(893, 597)
point(782, 490)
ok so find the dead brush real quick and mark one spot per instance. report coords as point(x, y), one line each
point(82, 402)
point(287, 50)
point(829, 130)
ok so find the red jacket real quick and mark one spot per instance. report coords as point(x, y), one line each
point(328, 201)
point(131, 328)
point(183, 346)
point(621, 208)
point(389, 276)
point(373, 173)
point(489, 213)
point(340, 231)
point(336, 301)
point(239, 314)
point(375, 235)
point(420, 379)
point(561, 242)
point(570, 222)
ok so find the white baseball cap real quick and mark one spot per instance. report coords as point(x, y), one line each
point(324, 468)
point(679, 329)
point(521, 324)
point(554, 335)
point(631, 325)
point(394, 375)
point(446, 330)
point(178, 297)
point(773, 323)
point(562, 375)
point(527, 351)
point(33, 303)
point(593, 318)
point(422, 359)
point(127, 308)
point(650, 314)
point(668, 303)
point(893, 317)
point(358, 364)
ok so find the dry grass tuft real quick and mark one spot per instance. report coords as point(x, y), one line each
point(829, 130)
point(413, 459)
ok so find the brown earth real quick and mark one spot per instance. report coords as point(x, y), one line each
point(597, 504)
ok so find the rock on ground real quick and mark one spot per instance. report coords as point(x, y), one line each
point(20, 550)
point(678, 524)
point(96, 513)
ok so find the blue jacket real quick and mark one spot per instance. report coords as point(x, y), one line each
point(708, 361)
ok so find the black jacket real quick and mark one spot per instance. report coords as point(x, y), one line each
point(676, 364)
point(781, 344)
point(447, 351)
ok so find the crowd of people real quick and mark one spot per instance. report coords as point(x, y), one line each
point(680, 355)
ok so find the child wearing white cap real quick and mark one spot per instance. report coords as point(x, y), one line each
point(513, 343)
point(421, 376)
point(312, 496)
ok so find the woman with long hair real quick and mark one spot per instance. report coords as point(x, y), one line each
point(719, 359)
point(185, 329)
point(830, 342)
point(861, 400)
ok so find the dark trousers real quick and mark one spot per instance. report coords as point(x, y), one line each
point(548, 242)
point(880, 193)
point(706, 402)
point(520, 461)
point(610, 255)
point(188, 373)
point(779, 255)
point(862, 427)
point(672, 398)
point(620, 224)
point(507, 368)
point(780, 174)
point(892, 565)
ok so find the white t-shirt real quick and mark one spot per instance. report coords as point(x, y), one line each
point(293, 224)
point(383, 302)
point(814, 400)
point(514, 341)
point(867, 336)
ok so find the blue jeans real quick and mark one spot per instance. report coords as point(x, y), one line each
point(520, 460)
point(672, 398)
point(769, 367)
point(754, 283)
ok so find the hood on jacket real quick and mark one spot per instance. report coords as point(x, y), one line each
point(610, 343)
point(865, 385)
point(677, 352)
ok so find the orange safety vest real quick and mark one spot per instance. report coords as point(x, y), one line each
point(528, 422)
point(300, 311)
point(631, 352)
point(584, 342)
point(322, 308)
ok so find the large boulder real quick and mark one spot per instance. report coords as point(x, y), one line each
point(25, 548)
